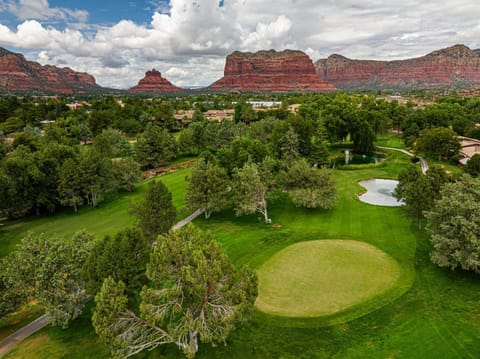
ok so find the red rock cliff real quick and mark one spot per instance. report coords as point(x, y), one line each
point(270, 71)
point(154, 82)
point(18, 74)
point(453, 66)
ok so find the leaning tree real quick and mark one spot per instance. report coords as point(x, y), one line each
point(196, 295)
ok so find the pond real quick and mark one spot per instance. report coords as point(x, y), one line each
point(353, 159)
point(380, 192)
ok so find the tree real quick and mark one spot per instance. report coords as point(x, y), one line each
point(473, 166)
point(419, 191)
point(122, 257)
point(111, 143)
point(363, 137)
point(155, 147)
point(310, 187)
point(244, 112)
point(196, 294)
point(319, 155)
point(48, 270)
point(126, 174)
point(21, 188)
point(454, 225)
point(96, 175)
point(208, 187)
point(438, 143)
point(289, 146)
point(156, 214)
point(70, 186)
point(249, 191)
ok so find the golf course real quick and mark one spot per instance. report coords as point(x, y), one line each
point(352, 282)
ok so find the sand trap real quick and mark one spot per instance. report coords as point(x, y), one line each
point(380, 192)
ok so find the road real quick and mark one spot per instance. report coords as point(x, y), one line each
point(423, 162)
point(11, 341)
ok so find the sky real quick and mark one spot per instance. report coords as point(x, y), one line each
point(188, 40)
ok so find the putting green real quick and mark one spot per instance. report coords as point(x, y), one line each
point(319, 278)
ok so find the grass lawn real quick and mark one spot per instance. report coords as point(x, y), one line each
point(317, 278)
point(111, 215)
point(428, 312)
point(390, 140)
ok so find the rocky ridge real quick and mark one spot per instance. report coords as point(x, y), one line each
point(154, 82)
point(453, 66)
point(270, 71)
point(19, 75)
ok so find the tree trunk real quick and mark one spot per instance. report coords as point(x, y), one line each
point(265, 211)
point(207, 214)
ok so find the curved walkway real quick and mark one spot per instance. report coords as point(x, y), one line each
point(11, 341)
point(423, 162)
point(14, 339)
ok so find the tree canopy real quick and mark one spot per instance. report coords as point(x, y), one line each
point(156, 214)
point(196, 295)
point(454, 225)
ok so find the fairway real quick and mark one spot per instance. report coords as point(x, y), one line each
point(317, 278)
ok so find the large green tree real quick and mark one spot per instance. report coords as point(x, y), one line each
point(310, 187)
point(419, 191)
point(196, 295)
point(250, 191)
point(438, 142)
point(454, 225)
point(208, 187)
point(48, 270)
point(156, 214)
point(473, 166)
point(122, 257)
point(155, 147)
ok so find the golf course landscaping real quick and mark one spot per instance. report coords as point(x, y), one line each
point(352, 282)
point(319, 278)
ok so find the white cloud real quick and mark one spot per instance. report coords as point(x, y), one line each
point(189, 39)
point(41, 10)
point(175, 72)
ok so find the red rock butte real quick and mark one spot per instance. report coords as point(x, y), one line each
point(270, 71)
point(453, 66)
point(18, 74)
point(154, 82)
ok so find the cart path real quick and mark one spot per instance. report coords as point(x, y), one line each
point(423, 162)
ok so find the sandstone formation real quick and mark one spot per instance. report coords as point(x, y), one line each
point(154, 82)
point(19, 75)
point(456, 66)
point(270, 71)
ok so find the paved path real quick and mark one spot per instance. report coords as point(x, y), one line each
point(423, 163)
point(188, 219)
point(11, 341)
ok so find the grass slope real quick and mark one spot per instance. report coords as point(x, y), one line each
point(437, 316)
point(111, 215)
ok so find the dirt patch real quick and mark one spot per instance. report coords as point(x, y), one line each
point(166, 169)
point(277, 225)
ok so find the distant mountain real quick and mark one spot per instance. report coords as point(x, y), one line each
point(456, 66)
point(153, 82)
point(21, 76)
point(270, 71)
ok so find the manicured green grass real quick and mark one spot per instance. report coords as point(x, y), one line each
point(428, 313)
point(111, 215)
point(390, 140)
point(317, 278)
